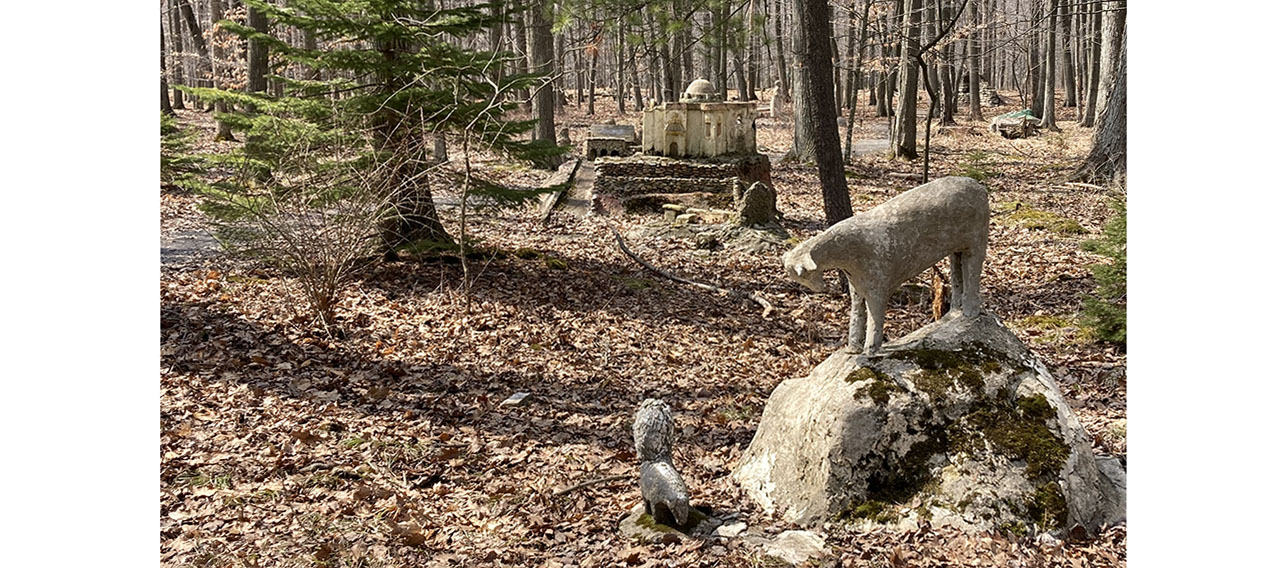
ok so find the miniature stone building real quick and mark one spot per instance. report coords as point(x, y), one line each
point(701, 124)
point(609, 140)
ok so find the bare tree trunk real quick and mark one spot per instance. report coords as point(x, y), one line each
point(1107, 158)
point(176, 47)
point(257, 54)
point(594, 71)
point(620, 57)
point(520, 41)
point(166, 107)
point(224, 130)
point(854, 73)
point(784, 80)
point(1114, 25)
point(1093, 63)
point(903, 140)
point(199, 41)
point(1070, 79)
point(543, 63)
point(976, 107)
point(1048, 119)
point(1035, 88)
point(817, 97)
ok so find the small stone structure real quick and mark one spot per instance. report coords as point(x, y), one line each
point(883, 247)
point(610, 140)
point(642, 182)
point(701, 124)
point(957, 425)
point(1017, 124)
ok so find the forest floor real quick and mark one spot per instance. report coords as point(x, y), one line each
point(282, 446)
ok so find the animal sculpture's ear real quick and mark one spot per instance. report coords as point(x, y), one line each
point(808, 263)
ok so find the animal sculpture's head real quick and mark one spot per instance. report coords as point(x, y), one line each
point(801, 268)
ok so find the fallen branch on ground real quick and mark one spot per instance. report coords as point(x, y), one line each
point(754, 296)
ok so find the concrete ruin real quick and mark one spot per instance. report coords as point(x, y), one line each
point(701, 125)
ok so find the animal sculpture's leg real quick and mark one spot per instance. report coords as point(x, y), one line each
point(972, 273)
point(954, 260)
point(857, 320)
point(875, 322)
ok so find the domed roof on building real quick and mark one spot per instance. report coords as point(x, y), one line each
point(700, 90)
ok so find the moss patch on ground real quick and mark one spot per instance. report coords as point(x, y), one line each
point(695, 518)
point(1024, 215)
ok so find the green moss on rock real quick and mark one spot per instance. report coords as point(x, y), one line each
point(1048, 508)
point(870, 510)
point(1016, 430)
point(879, 386)
point(899, 481)
point(939, 369)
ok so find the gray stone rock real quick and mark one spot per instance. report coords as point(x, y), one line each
point(883, 247)
point(731, 530)
point(758, 205)
point(796, 547)
point(957, 424)
point(639, 526)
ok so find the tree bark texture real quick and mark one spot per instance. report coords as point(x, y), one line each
point(1107, 158)
point(816, 98)
point(903, 141)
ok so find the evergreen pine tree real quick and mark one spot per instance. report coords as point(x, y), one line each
point(179, 168)
point(1105, 310)
point(397, 77)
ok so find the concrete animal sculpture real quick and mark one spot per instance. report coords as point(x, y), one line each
point(881, 248)
point(662, 487)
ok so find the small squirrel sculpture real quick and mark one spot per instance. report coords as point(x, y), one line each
point(662, 487)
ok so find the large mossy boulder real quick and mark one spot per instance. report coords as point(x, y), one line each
point(957, 424)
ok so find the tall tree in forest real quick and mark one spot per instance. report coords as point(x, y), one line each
point(903, 136)
point(1093, 66)
point(816, 108)
point(176, 49)
point(198, 40)
point(223, 131)
point(1070, 79)
point(1111, 41)
point(402, 71)
point(1107, 158)
point(166, 107)
point(257, 51)
point(543, 64)
point(976, 109)
point(1048, 117)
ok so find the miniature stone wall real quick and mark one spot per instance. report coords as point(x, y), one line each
point(647, 182)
